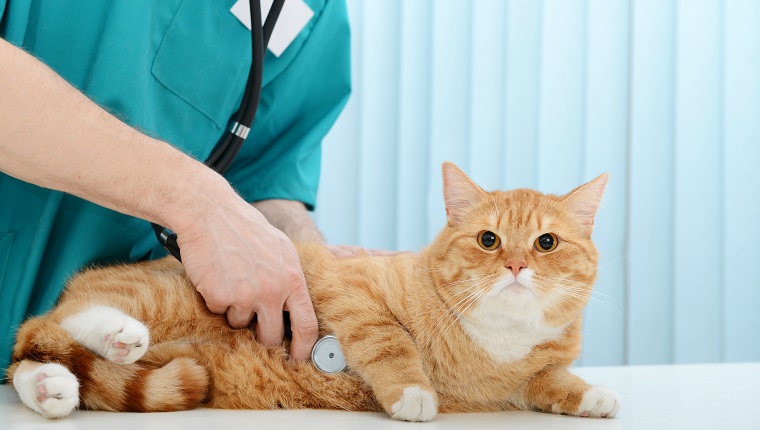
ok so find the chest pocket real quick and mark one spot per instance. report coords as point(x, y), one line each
point(204, 59)
point(205, 56)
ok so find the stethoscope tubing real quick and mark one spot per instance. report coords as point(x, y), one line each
point(326, 354)
point(229, 145)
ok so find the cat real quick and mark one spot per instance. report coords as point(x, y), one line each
point(486, 318)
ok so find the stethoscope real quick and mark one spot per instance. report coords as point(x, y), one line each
point(326, 354)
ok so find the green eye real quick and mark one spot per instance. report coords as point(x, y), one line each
point(488, 240)
point(546, 242)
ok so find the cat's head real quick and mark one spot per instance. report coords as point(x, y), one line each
point(516, 255)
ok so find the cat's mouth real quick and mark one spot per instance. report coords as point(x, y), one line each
point(516, 287)
point(511, 286)
point(520, 283)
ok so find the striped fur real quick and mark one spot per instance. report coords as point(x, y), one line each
point(411, 326)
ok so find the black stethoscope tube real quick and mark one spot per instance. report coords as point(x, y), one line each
point(229, 145)
point(326, 354)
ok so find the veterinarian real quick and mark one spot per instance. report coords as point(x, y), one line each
point(106, 109)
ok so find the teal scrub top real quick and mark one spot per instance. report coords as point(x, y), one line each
point(176, 70)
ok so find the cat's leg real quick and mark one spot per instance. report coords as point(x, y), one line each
point(172, 380)
point(108, 332)
point(47, 388)
point(381, 351)
point(556, 390)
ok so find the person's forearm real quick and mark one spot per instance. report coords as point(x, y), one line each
point(292, 218)
point(53, 136)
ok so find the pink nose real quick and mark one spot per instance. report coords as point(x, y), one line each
point(515, 266)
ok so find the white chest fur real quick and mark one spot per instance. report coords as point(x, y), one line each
point(507, 328)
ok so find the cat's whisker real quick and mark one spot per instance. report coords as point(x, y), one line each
point(569, 290)
point(613, 261)
point(606, 308)
point(462, 281)
point(586, 289)
point(592, 291)
point(451, 315)
point(585, 295)
point(464, 291)
point(568, 285)
point(469, 294)
point(442, 333)
point(449, 312)
point(564, 280)
point(574, 298)
point(486, 283)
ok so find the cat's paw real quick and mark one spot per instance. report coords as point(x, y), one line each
point(109, 332)
point(415, 404)
point(51, 390)
point(598, 402)
point(125, 340)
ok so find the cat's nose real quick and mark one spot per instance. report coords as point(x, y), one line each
point(515, 266)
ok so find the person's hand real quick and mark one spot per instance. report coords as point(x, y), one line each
point(242, 266)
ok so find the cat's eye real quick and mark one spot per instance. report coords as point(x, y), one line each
point(546, 242)
point(488, 240)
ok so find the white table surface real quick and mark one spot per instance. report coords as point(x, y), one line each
point(713, 396)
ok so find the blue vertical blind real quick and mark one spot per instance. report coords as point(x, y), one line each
point(663, 94)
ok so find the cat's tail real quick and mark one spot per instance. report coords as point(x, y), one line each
point(168, 379)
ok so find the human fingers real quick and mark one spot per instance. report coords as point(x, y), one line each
point(303, 323)
point(270, 328)
point(238, 316)
point(216, 309)
point(216, 299)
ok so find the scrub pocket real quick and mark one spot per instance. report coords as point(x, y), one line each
point(205, 56)
point(204, 59)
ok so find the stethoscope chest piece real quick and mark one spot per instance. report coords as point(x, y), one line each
point(327, 356)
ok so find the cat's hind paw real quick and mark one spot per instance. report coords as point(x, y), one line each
point(598, 402)
point(415, 404)
point(51, 390)
point(110, 333)
point(125, 340)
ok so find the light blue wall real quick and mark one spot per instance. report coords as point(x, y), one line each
point(663, 94)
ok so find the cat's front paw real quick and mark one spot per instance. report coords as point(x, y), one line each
point(598, 402)
point(51, 390)
point(415, 404)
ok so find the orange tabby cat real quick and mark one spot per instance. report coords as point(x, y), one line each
point(486, 318)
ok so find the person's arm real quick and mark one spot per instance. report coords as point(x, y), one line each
point(53, 136)
point(292, 218)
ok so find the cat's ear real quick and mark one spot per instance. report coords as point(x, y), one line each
point(583, 201)
point(459, 193)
